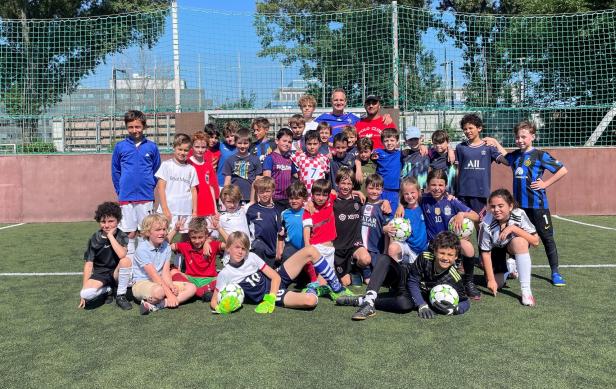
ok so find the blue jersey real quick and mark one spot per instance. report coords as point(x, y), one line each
point(418, 241)
point(262, 148)
point(337, 121)
point(293, 227)
point(243, 170)
point(438, 213)
point(225, 152)
point(474, 164)
point(336, 163)
point(440, 161)
point(416, 165)
point(133, 168)
point(264, 225)
point(372, 223)
point(388, 166)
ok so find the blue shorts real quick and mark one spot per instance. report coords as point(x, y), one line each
point(392, 196)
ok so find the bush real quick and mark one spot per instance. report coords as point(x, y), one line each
point(37, 147)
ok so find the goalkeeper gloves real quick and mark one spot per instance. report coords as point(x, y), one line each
point(425, 312)
point(446, 308)
point(267, 305)
point(228, 305)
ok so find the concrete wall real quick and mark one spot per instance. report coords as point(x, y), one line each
point(44, 188)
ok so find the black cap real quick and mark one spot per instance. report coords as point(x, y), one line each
point(373, 98)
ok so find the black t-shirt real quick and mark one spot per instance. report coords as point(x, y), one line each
point(423, 277)
point(102, 254)
point(348, 222)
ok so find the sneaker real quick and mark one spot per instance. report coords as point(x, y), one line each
point(558, 280)
point(349, 301)
point(145, 307)
point(528, 300)
point(323, 290)
point(336, 295)
point(123, 302)
point(109, 298)
point(472, 291)
point(207, 297)
point(365, 311)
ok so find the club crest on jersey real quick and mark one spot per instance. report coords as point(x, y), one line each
point(447, 210)
point(483, 152)
point(527, 162)
point(437, 211)
point(356, 206)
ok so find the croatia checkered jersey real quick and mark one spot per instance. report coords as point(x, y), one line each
point(529, 167)
point(489, 229)
point(248, 275)
point(423, 277)
point(310, 168)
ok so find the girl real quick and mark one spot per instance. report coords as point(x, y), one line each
point(207, 190)
point(506, 230)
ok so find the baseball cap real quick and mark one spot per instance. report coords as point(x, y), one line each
point(412, 132)
point(373, 98)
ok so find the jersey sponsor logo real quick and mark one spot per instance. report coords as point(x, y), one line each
point(519, 173)
point(368, 221)
point(473, 164)
point(342, 217)
point(283, 168)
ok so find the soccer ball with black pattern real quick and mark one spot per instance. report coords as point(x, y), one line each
point(467, 228)
point(403, 228)
point(443, 292)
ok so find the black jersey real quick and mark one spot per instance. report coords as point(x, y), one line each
point(101, 253)
point(348, 223)
point(423, 277)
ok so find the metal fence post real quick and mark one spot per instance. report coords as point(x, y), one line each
point(395, 58)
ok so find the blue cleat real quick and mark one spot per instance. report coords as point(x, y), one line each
point(558, 280)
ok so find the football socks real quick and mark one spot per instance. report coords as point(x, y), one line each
point(123, 280)
point(524, 265)
point(323, 268)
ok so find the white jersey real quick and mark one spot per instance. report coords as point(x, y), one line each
point(243, 275)
point(489, 229)
point(310, 126)
point(180, 179)
point(235, 221)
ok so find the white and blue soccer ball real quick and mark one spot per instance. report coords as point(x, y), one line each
point(444, 292)
point(465, 231)
point(231, 290)
point(403, 228)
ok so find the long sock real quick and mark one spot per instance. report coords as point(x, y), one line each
point(524, 264)
point(92, 293)
point(323, 268)
point(123, 280)
point(468, 263)
point(369, 297)
point(131, 247)
point(309, 270)
point(550, 251)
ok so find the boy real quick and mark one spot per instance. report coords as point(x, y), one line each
point(310, 164)
point(264, 223)
point(307, 103)
point(528, 165)
point(106, 260)
point(374, 227)
point(442, 157)
point(133, 164)
point(340, 158)
point(213, 146)
point(412, 282)
point(325, 133)
point(262, 146)
point(199, 258)
point(242, 168)
point(389, 164)
point(152, 270)
point(364, 165)
point(177, 184)
point(320, 229)
point(351, 135)
point(227, 148)
point(207, 190)
point(297, 124)
point(415, 164)
point(279, 166)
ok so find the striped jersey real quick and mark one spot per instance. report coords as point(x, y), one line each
point(489, 229)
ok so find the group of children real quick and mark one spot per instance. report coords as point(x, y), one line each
point(314, 206)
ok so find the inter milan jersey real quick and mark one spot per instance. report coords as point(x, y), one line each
point(438, 213)
point(373, 220)
point(262, 149)
point(416, 165)
point(474, 164)
point(440, 161)
point(423, 277)
point(388, 166)
point(248, 274)
point(348, 222)
point(264, 224)
point(490, 230)
point(529, 167)
point(101, 254)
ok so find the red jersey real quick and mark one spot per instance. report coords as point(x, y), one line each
point(372, 129)
point(322, 222)
point(198, 265)
point(213, 157)
point(206, 204)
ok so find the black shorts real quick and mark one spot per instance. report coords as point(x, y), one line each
point(499, 260)
point(106, 278)
point(542, 220)
point(288, 251)
point(342, 259)
point(477, 204)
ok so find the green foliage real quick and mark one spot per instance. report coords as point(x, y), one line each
point(245, 102)
point(37, 146)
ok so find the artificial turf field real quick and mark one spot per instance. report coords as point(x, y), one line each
point(567, 340)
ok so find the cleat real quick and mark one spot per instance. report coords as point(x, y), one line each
point(123, 302)
point(207, 297)
point(349, 301)
point(344, 292)
point(145, 308)
point(528, 300)
point(558, 280)
point(472, 291)
point(365, 311)
point(110, 294)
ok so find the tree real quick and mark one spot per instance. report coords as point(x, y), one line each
point(351, 50)
point(48, 46)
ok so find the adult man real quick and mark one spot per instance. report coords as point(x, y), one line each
point(373, 124)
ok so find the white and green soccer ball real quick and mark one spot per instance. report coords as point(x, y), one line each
point(403, 228)
point(444, 292)
point(467, 228)
point(231, 290)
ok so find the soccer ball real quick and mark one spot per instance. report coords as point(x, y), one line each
point(231, 290)
point(403, 228)
point(444, 292)
point(467, 228)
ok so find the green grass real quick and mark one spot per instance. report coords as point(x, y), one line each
point(566, 341)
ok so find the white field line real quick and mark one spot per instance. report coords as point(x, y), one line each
point(582, 223)
point(605, 265)
point(11, 226)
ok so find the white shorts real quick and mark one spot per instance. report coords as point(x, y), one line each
point(406, 254)
point(326, 252)
point(174, 219)
point(133, 214)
